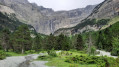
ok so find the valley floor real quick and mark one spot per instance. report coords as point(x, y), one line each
point(29, 60)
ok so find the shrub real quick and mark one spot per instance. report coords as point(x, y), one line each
point(2, 55)
point(114, 53)
point(30, 52)
point(45, 57)
point(52, 53)
point(73, 50)
point(10, 50)
point(93, 50)
point(100, 61)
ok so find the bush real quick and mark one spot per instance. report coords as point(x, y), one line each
point(2, 55)
point(10, 50)
point(100, 61)
point(30, 52)
point(45, 57)
point(82, 52)
point(92, 51)
point(52, 53)
point(114, 53)
point(73, 50)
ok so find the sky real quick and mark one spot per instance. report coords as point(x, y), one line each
point(65, 4)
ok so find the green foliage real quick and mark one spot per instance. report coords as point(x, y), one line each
point(10, 22)
point(52, 53)
point(92, 22)
point(92, 51)
point(65, 53)
point(9, 54)
point(115, 44)
point(30, 52)
point(21, 39)
point(37, 43)
point(63, 42)
point(79, 43)
point(2, 55)
point(51, 42)
point(45, 57)
point(109, 37)
point(5, 39)
point(100, 61)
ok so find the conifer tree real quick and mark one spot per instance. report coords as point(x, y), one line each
point(79, 43)
point(22, 38)
point(5, 38)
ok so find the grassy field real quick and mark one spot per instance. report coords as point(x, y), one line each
point(26, 53)
point(59, 61)
point(14, 54)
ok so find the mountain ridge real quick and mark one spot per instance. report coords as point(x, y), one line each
point(103, 12)
point(46, 20)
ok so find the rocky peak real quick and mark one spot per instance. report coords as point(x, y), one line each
point(43, 10)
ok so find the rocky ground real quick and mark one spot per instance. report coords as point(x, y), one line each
point(104, 53)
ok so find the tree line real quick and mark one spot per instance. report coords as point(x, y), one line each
point(21, 40)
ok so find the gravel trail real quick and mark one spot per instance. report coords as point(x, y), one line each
point(23, 61)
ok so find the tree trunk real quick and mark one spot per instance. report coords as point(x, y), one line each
point(5, 49)
point(22, 50)
point(89, 44)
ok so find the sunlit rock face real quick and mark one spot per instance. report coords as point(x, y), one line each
point(46, 20)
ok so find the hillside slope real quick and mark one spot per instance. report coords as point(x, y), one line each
point(102, 15)
point(6, 22)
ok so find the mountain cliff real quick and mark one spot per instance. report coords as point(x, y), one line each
point(107, 9)
point(102, 15)
point(45, 20)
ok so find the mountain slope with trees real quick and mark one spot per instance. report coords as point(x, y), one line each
point(100, 16)
point(7, 22)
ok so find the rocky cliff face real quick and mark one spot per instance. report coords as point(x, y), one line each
point(45, 20)
point(106, 10)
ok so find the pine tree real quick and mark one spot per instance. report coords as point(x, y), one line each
point(60, 42)
point(66, 43)
point(22, 38)
point(5, 38)
point(63, 42)
point(79, 43)
point(37, 43)
point(51, 42)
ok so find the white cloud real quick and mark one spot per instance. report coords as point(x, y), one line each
point(65, 4)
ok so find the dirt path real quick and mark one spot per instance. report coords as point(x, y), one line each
point(23, 61)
